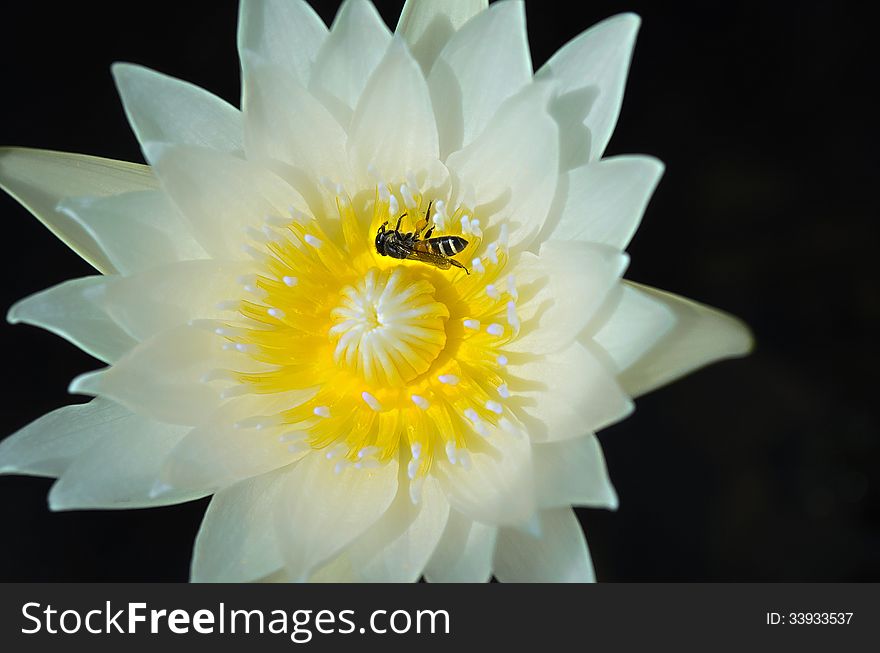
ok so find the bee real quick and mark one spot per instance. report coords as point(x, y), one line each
point(419, 246)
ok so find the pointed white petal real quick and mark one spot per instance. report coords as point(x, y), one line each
point(357, 42)
point(136, 230)
point(498, 488)
point(73, 311)
point(285, 123)
point(48, 445)
point(39, 179)
point(559, 555)
point(606, 200)
point(561, 290)
point(287, 33)
point(566, 394)
point(218, 452)
point(428, 24)
point(237, 541)
point(483, 64)
point(221, 195)
point(573, 473)
point(700, 335)
point(164, 376)
point(512, 166)
point(396, 548)
point(162, 109)
point(593, 65)
point(160, 298)
point(393, 130)
point(120, 470)
point(464, 553)
point(322, 511)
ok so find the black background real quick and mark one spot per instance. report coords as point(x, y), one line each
point(764, 468)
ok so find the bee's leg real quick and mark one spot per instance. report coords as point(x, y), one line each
point(458, 265)
point(428, 212)
point(382, 227)
point(429, 232)
point(399, 220)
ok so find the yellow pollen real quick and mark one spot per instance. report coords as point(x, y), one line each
point(384, 358)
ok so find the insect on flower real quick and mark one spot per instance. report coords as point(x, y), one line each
point(418, 245)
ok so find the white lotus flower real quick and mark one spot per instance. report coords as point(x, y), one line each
point(357, 416)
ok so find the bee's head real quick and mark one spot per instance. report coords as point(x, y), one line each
point(381, 235)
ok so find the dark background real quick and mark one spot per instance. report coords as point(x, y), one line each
point(765, 468)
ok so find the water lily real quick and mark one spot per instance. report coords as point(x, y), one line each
point(361, 416)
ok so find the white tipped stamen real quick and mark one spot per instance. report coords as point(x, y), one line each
point(477, 265)
point(420, 401)
point(465, 225)
point(494, 406)
point(471, 414)
point(492, 252)
point(512, 317)
point(492, 291)
point(393, 206)
point(335, 452)
point(503, 236)
point(464, 458)
point(475, 228)
point(254, 253)
point(321, 411)
point(327, 183)
point(503, 391)
point(501, 360)
point(511, 286)
point(244, 348)
point(509, 427)
point(495, 329)
point(411, 180)
point(451, 451)
point(311, 240)
point(368, 452)
point(471, 324)
point(340, 466)
point(290, 282)
point(297, 215)
point(415, 490)
point(448, 379)
point(416, 449)
point(228, 346)
point(277, 313)
point(371, 401)
point(408, 200)
point(367, 463)
point(292, 436)
point(412, 469)
point(259, 422)
point(384, 193)
point(256, 235)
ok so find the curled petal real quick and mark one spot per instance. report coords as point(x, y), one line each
point(428, 24)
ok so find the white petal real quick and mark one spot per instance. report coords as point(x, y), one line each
point(162, 109)
point(629, 325)
point(48, 445)
point(137, 230)
point(428, 24)
point(606, 200)
point(700, 335)
point(512, 166)
point(396, 548)
point(219, 453)
point(322, 511)
point(566, 394)
point(221, 195)
point(357, 42)
point(593, 65)
point(393, 130)
point(150, 302)
point(561, 291)
point(483, 64)
point(573, 472)
point(498, 488)
point(236, 542)
point(464, 553)
point(72, 310)
point(164, 376)
point(559, 555)
point(287, 33)
point(286, 123)
point(39, 179)
point(120, 469)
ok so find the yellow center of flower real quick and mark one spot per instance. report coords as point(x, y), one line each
point(394, 358)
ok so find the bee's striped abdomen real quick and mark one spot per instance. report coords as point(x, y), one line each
point(446, 245)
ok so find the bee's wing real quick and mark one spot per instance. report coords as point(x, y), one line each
point(421, 253)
